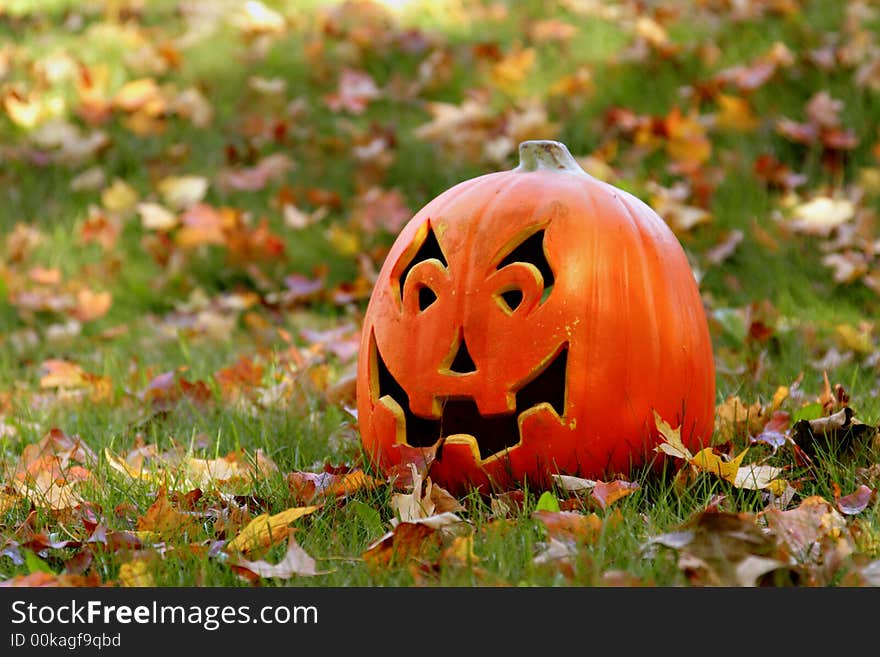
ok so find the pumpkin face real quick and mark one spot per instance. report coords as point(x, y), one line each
point(531, 322)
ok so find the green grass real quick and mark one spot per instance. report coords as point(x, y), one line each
point(137, 340)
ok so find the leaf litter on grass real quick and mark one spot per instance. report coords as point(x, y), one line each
point(212, 255)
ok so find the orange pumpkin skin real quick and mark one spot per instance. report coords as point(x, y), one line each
point(463, 346)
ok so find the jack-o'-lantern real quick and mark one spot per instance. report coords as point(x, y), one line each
point(531, 322)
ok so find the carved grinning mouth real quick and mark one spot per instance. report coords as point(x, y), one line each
point(460, 415)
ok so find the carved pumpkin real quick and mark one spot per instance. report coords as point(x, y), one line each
point(531, 322)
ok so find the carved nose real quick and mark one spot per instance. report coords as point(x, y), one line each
point(462, 363)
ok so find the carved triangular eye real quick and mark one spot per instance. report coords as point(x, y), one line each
point(531, 250)
point(430, 248)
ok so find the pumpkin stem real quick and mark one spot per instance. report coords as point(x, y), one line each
point(546, 154)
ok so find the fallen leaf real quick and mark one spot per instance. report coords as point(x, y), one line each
point(163, 519)
point(307, 487)
point(734, 419)
point(857, 501)
point(156, 217)
point(181, 192)
point(266, 530)
point(355, 91)
point(45, 491)
point(687, 142)
point(405, 542)
point(820, 215)
point(759, 477)
point(201, 224)
point(717, 548)
point(707, 460)
point(119, 196)
point(43, 579)
point(671, 442)
point(572, 484)
point(120, 465)
point(570, 526)
point(814, 534)
point(736, 114)
point(608, 493)
point(8, 502)
point(295, 563)
point(415, 504)
point(136, 573)
point(91, 305)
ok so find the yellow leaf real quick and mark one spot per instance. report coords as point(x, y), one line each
point(671, 439)
point(156, 217)
point(62, 374)
point(460, 552)
point(869, 181)
point(119, 196)
point(819, 216)
point(708, 461)
point(856, 339)
point(8, 502)
point(135, 94)
point(779, 396)
point(510, 72)
point(135, 573)
point(736, 114)
point(180, 192)
point(121, 465)
point(777, 487)
point(23, 112)
point(343, 240)
point(229, 470)
point(265, 529)
point(687, 141)
point(147, 536)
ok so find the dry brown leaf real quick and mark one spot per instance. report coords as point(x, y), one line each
point(718, 548)
point(571, 526)
point(91, 305)
point(41, 578)
point(415, 504)
point(406, 541)
point(307, 487)
point(163, 519)
point(46, 491)
point(810, 531)
point(733, 419)
point(607, 493)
